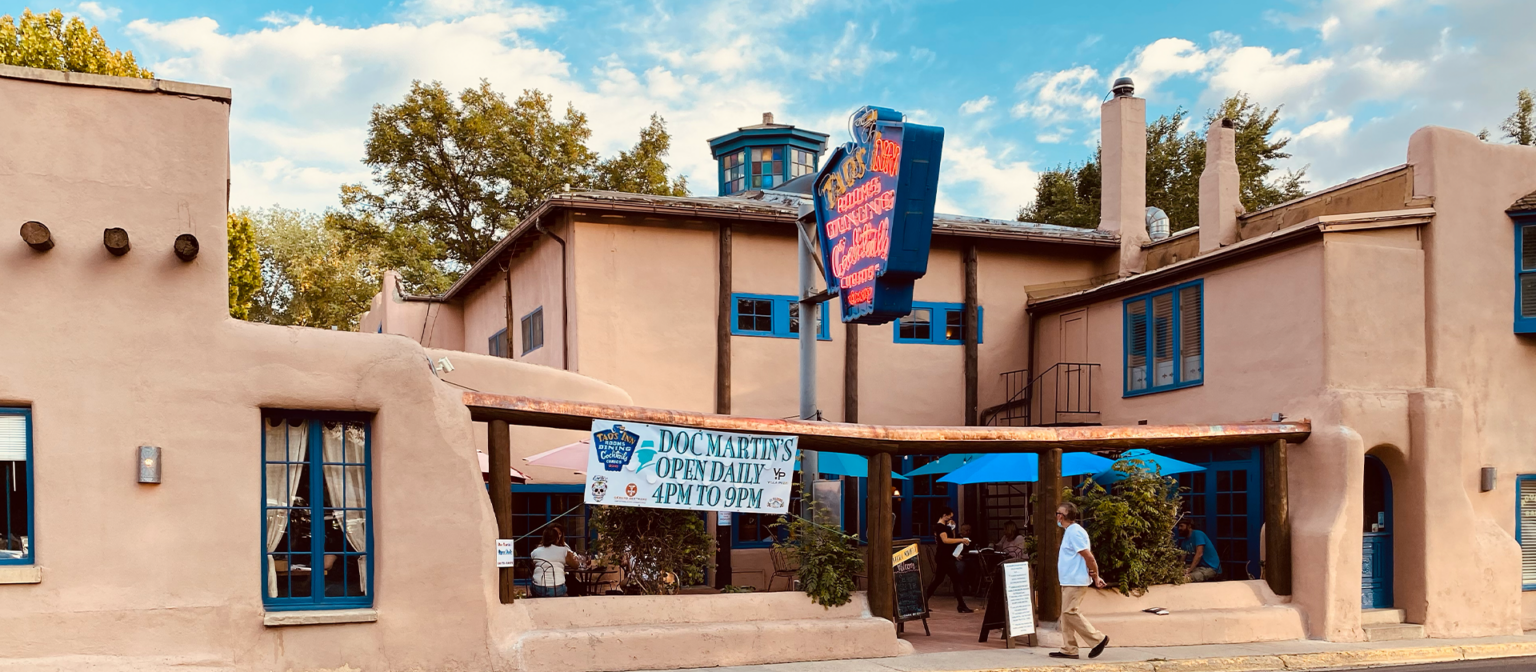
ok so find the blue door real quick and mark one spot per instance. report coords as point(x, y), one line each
point(1376, 556)
point(1225, 501)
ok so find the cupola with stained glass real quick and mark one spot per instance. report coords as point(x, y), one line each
point(766, 155)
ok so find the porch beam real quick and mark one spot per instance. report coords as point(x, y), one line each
point(1277, 518)
point(500, 454)
point(882, 581)
point(896, 440)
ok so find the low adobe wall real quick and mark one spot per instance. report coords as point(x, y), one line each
point(1224, 612)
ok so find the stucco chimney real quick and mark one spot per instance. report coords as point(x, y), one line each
point(1123, 132)
point(1219, 193)
point(767, 118)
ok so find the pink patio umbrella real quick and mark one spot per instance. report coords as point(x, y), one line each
point(485, 468)
point(571, 456)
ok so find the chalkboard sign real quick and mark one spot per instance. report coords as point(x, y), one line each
point(910, 605)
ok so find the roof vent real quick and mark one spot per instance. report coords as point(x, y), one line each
point(1158, 226)
point(767, 118)
point(1226, 123)
point(1123, 87)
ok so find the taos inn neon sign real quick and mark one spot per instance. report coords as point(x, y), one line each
point(874, 213)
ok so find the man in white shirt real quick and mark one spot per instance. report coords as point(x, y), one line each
point(1076, 569)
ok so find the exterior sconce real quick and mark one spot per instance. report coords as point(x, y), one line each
point(37, 236)
point(149, 464)
point(1490, 475)
point(186, 247)
point(116, 241)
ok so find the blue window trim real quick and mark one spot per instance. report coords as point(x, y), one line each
point(1523, 224)
point(520, 324)
point(1178, 339)
point(780, 315)
point(31, 557)
point(316, 460)
point(938, 315)
point(1520, 482)
point(549, 489)
point(491, 344)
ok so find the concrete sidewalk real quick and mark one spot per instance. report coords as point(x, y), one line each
point(1292, 655)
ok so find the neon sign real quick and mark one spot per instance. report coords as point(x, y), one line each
point(874, 213)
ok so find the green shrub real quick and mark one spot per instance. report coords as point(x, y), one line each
point(1131, 528)
point(662, 550)
point(829, 559)
point(738, 589)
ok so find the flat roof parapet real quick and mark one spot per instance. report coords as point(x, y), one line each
point(138, 84)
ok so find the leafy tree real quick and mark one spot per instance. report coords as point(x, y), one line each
point(244, 265)
point(1069, 195)
point(828, 559)
point(463, 170)
point(661, 549)
point(1131, 528)
point(49, 41)
point(1520, 127)
point(309, 276)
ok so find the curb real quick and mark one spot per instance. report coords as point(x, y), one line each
point(1326, 660)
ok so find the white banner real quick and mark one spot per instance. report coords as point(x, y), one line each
point(634, 464)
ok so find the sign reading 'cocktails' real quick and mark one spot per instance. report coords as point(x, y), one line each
point(634, 464)
point(874, 213)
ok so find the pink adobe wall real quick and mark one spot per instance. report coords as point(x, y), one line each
point(535, 284)
point(1474, 354)
point(139, 349)
point(431, 323)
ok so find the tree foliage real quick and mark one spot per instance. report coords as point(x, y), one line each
point(828, 559)
point(460, 171)
point(1520, 126)
point(310, 276)
point(1069, 195)
point(1131, 528)
point(662, 550)
point(50, 41)
point(244, 265)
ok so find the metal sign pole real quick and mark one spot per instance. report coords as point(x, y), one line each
point(808, 330)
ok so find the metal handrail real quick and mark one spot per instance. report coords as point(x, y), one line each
point(1071, 393)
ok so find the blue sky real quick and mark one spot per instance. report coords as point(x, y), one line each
point(1016, 84)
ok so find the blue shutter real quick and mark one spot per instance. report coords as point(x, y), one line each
point(1525, 278)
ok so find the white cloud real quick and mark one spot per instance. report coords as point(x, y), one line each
point(976, 106)
point(852, 55)
point(979, 183)
point(1327, 129)
point(97, 12)
point(1055, 96)
point(1168, 57)
point(1052, 137)
point(1270, 78)
point(1328, 27)
point(922, 55)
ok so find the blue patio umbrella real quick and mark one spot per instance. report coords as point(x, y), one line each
point(1151, 461)
point(843, 464)
point(944, 464)
point(1022, 467)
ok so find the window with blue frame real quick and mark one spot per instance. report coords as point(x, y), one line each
point(536, 507)
point(317, 513)
point(773, 315)
point(1525, 275)
point(17, 545)
point(756, 530)
point(533, 330)
point(804, 162)
point(1165, 339)
point(937, 323)
point(1525, 528)
point(733, 172)
point(767, 166)
point(497, 344)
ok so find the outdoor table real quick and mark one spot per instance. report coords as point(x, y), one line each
point(588, 578)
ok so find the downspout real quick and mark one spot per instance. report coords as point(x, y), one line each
point(565, 321)
point(511, 313)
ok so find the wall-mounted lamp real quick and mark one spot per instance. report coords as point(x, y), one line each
point(1490, 476)
point(149, 464)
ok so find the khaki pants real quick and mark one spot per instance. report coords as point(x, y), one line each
point(1202, 574)
point(1075, 629)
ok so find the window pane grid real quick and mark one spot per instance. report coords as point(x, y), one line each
point(1166, 328)
point(317, 513)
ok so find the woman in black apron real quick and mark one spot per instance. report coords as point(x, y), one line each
point(944, 562)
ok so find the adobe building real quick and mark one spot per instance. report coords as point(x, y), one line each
point(1385, 309)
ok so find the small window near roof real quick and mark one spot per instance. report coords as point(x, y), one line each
point(533, 330)
point(16, 539)
point(733, 168)
point(937, 323)
point(496, 345)
point(1525, 276)
point(777, 316)
point(916, 325)
point(1165, 339)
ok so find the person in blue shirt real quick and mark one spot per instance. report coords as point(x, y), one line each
point(1204, 564)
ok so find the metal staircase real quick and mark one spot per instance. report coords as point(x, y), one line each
point(1061, 396)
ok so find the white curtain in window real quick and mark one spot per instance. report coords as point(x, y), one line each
point(286, 442)
point(348, 485)
point(13, 438)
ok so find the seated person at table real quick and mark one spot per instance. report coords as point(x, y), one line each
point(1204, 564)
point(1012, 543)
point(549, 580)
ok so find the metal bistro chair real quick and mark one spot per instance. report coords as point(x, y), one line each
point(783, 567)
point(543, 572)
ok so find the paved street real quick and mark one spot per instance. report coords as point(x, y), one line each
point(1504, 665)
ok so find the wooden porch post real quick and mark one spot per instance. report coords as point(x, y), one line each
point(882, 582)
point(851, 372)
point(501, 493)
point(1047, 535)
point(1277, 519)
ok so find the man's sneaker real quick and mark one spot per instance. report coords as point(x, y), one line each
point(1099, 648)
point(1058, 654)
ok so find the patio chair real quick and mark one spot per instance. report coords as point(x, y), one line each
point(543, 575)
point(783, 567)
